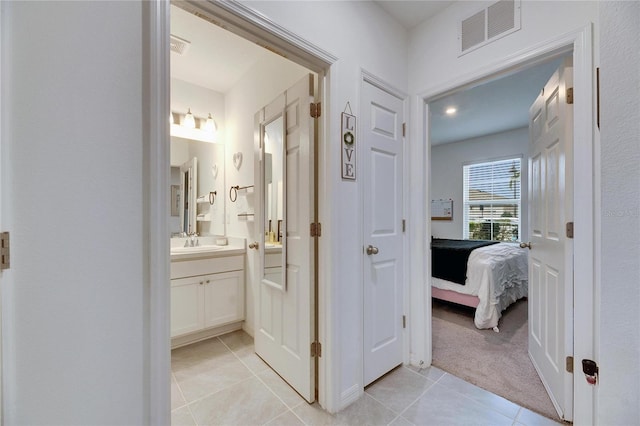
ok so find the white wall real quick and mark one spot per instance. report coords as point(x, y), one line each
point(362, 36)
point(75, 340)
point(446, 172)
point(619, 343)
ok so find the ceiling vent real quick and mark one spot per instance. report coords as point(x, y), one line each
point(179, 45)
point(489, 24)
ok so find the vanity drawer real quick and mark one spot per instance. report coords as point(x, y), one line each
point(190, 268)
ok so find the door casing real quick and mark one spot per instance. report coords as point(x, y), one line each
point(579, 42)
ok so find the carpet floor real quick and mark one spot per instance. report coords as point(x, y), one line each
point(497, 362)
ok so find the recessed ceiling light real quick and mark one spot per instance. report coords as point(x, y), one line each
point(451, 111)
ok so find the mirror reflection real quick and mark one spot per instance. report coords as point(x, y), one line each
point(197, 180)
point(274, 202)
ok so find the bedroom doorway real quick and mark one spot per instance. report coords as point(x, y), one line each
point(461, 135)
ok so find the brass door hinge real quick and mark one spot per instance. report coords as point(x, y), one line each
point(404, 225)
point(570, 95)
point(316, 349)
point(569, 364)
point(315, 110)
point(404, 321)
point(569, 229)
point(404, 129)
point(316, 229)
point(4, 251)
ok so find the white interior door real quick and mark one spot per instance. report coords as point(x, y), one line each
point(286, 307)
point(551, 251)
point(382, 124)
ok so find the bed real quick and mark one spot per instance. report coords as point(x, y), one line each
point(488, 276)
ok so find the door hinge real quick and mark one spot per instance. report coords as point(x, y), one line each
point(315, 110)
point(316, 229)
point(316, 349)
point(4, 251)
point(569, 364)
point(569, 229)
point(570, 95)
point(404, 129)
point(404, 321)
point(404, 225)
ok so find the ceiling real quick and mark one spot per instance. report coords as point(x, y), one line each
point(217, 59)
point(411, 13)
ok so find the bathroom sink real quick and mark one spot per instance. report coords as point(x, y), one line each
point(196, 249)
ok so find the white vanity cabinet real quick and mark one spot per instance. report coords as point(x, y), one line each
point(206, 293)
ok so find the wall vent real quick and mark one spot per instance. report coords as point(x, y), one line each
point(179, 45)
point(489, 24)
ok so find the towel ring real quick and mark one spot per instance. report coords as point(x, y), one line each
point(212, 197)
point(233, 193)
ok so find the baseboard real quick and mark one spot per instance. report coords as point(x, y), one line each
point(188, 339)
point(350, 396)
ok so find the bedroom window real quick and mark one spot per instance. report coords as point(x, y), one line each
point(492, 200)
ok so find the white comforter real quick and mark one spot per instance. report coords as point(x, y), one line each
point(497, 274)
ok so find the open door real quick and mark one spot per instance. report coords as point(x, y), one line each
point(285, 307)
point(551, 246)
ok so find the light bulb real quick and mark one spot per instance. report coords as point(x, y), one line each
point(210, 125)
point(189, 120)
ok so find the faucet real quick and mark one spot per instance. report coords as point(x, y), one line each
point(192, 241)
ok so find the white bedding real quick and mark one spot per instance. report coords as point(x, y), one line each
point(497, 275)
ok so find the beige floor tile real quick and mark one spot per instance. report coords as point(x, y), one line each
point(529, 418)
point(176, 395)
point(399, 388)
point(249, 358)
point(433, 373)
point(281, 388)
point(365, 411)
point(480, 395)
point(246, 403)
point(286, 419)
point(442, 406)
point(237, 340)
point(211, 376)
point(182, 417)
point(400, 421)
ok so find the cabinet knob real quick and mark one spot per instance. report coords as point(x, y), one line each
point(208, 281)
point(201, 282)
point(254, 245)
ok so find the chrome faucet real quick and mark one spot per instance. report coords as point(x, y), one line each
point(192, 241)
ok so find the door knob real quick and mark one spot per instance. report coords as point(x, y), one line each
point(526, 245)
point(372, 250)
point(253, 245)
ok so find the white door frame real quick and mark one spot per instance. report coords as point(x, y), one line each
point(586, 196)
point(253, 26)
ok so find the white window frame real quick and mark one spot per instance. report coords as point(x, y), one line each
point(466, 203)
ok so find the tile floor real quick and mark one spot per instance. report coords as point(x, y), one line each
point(221, 381)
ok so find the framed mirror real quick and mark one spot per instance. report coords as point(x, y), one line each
point(207, 185)
point(274, 203)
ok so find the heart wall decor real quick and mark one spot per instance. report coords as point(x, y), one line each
point(214, 171)
point(237, 160)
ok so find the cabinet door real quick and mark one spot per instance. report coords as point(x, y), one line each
point(224, 298)
point(187, 307)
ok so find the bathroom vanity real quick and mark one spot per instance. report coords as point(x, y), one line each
point(207, 288)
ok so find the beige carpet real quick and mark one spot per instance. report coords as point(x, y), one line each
point(497, 362)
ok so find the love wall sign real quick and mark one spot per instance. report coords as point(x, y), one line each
point(348, 146)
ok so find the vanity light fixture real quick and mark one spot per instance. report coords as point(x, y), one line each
point(451, 111)
point(189, 120)
point(210, 125)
